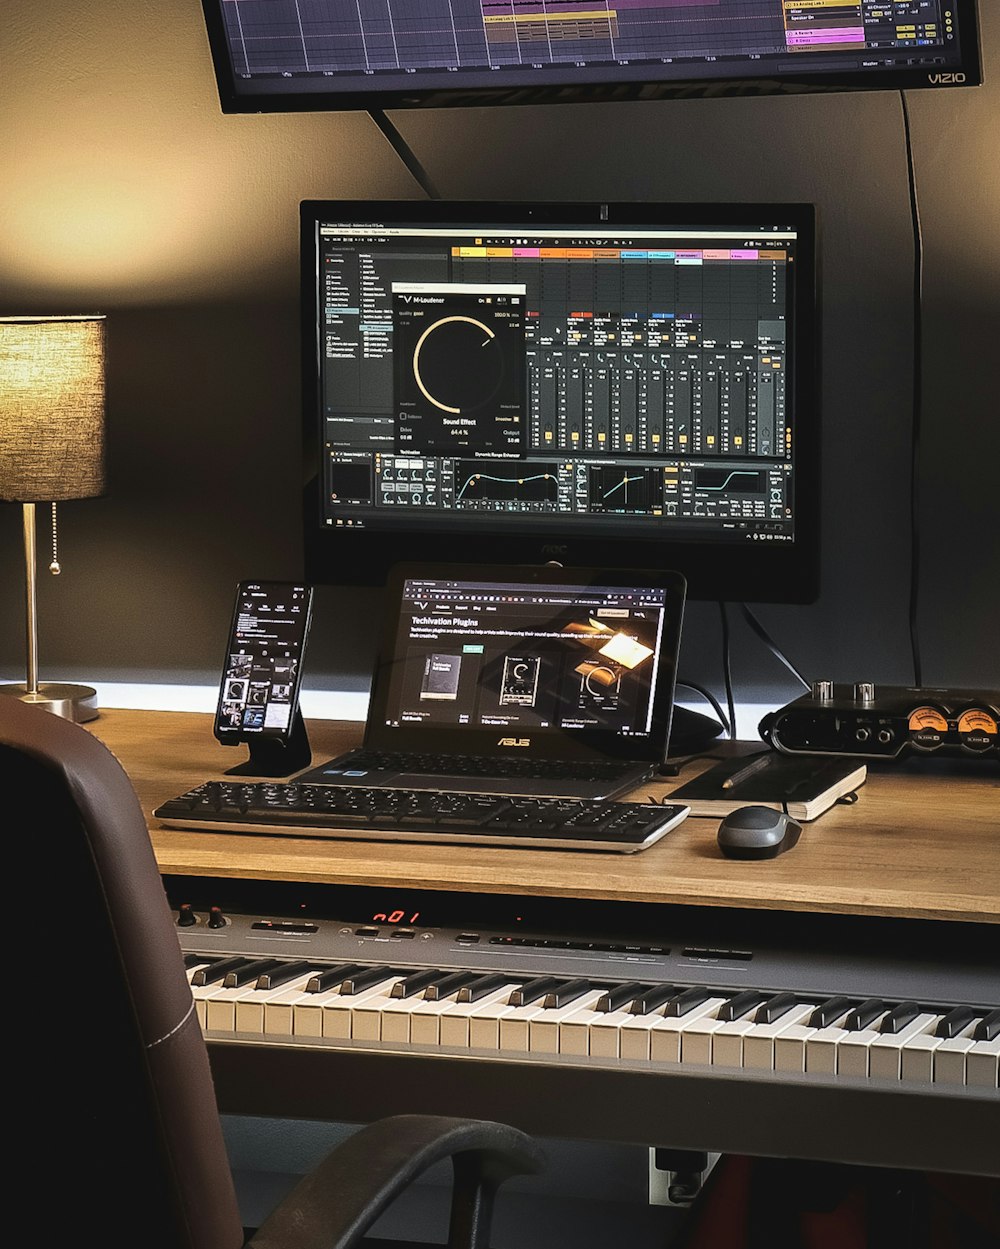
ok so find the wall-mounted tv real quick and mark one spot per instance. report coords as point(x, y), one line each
point(310, 55)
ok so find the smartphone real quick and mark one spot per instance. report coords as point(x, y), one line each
point(262, 671)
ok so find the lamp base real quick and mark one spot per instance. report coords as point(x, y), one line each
point(72, 702)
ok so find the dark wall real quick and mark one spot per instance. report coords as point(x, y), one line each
point(126, 191)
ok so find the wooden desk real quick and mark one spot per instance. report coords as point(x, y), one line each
point(853, 901)
point(922, 842)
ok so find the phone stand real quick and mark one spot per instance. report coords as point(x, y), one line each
point(270, 756)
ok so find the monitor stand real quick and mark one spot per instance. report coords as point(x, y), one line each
point(271, 756)
point(691, 732)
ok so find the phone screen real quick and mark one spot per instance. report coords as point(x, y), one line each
point(263, 664)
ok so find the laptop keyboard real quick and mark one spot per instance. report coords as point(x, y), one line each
point(476, 765)
point(307, 810)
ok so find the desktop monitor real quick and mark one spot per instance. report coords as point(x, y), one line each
point(281, 55)
point(628, 385)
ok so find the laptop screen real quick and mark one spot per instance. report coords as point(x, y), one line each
point(543, 661)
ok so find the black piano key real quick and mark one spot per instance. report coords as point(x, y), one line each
point(240, 976)
point(476, 991)
point(686, 1001)
point(415, 983)
point(195, 960)
point(825, 1014)
point(740, 1005)
point(652, 998)
point(332, 976)
point(449, 984)
point(619, 994)
point(865, 1014)
point(898, 1018)
point(532, 990)
point(950, 1025)
point(219, 970)
point(566, 991)
point(989, 1028)
point(359, 980)
point(284, 973)
point(775, 1007)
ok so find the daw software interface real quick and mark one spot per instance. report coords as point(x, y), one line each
point(526, 657)
point(591, 379)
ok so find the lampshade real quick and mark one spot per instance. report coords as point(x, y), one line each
point(51, 408)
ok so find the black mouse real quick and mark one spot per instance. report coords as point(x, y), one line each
point(757, 833)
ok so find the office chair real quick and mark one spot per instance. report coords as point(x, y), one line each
point(120, 1130)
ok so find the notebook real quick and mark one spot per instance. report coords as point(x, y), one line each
point(536, 681)
point(803, 786)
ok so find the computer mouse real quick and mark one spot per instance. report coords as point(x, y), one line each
point(757, 833)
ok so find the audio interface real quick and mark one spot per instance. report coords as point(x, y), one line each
point(883, 722)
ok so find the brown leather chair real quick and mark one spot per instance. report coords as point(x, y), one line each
point(120, 1128)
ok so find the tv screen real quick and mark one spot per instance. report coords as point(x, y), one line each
point(628, 385)
point(280, 55)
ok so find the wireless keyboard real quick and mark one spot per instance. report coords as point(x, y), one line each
point(307, 810)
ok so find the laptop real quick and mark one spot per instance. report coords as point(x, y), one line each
point(536, 681)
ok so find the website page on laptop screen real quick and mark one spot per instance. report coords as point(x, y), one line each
point(525, 658)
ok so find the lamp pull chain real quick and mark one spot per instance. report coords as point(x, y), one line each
point(54, 567)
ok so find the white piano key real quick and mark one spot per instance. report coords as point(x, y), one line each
point(665, 1035)
point(949, 1057)
point(425, 1021)
point(543, 1030)
point(368, 1015)
point(338, 1009)
point(792, 1047)
point(396, 1018)
point(853, 1050)
point(634, 1042)
point(484, 1025)
point(822, 1048)
point(202, 994)
point(885, 1058)
point(514, 1027)
point(605, 1037)
point(982, 1064)
point(456, 1024)
point(696, 1040)
point(758, 1043)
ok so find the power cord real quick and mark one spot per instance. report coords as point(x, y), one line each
point(405, 153)
point(727, 670)
point(771, 645)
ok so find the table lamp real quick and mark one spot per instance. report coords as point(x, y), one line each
point(51, 449)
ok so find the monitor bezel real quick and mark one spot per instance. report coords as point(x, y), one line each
point(754, 572)
point(565, 89)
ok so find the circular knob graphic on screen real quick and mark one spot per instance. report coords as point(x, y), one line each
point(458, 364)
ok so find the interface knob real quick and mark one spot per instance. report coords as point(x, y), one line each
point(216, 919)
point(864, 692)
point(186, 916)
point(823, 690)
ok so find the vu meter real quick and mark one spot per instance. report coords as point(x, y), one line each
point(459, 371)
point(978, 729)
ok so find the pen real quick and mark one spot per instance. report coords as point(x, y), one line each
point(754, 766)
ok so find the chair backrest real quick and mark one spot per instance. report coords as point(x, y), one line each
point(121, 1124)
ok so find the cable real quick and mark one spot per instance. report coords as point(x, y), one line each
point(405, 153)
point(709, 697)
point(916, 419)
point(727, 671)
point(771, 645)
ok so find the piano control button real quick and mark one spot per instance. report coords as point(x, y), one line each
point(899, 1018)
point(988, 1029)
point(829, 1012)
point(186, 916)
point(982, 1064)
point(758, 1044)
point(863, 1016)
point(216, 919)
point(955, 1022)
point(885, 1058)
point(665, 1034)
point(403, 934)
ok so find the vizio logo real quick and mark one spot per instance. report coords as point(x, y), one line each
point(943, 80)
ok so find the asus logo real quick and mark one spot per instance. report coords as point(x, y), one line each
point(940, 80)
point(514, 741)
